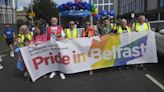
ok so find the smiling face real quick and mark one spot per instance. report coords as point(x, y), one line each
point(106, 22)
point(54, 21)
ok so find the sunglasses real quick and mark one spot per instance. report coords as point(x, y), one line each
point(71, 24)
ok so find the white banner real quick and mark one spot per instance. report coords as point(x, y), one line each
point(82, 54)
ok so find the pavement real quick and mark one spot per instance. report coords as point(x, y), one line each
point(103, 80)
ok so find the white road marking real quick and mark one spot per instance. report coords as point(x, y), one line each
point(155, 81)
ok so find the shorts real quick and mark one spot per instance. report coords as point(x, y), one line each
point(9, 41)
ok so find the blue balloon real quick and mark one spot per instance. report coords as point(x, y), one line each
point(96, 17)
point(104, 13)
point(112, 13)
point(89, 6)
point(69, 3)
point(60, 8)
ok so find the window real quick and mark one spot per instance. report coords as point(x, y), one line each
point(111, 1)
point(105, 1)
point(100, 1)
point(106, 7)
point(111, 7)
point(137, 6)
point(161, 3)
point(143, 5)
point(95, 1)
point(100, 9)
point(127, 8)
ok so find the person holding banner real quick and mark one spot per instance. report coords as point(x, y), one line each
point(123, 28)
point(141, 25)
point(105, 28)
point(55, 32)
point(71, 32)
point(24, 39)
point(88, 32)
point(24, 33)
point(39, 36)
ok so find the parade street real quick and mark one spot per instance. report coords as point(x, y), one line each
point(81, 45)
point(104, 80)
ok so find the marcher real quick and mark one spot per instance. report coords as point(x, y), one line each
point(71, 32)
point(123, 28)
point(9, 35)
point(24, 39)
point(141, 25)
point(105, 28)
point(39, 35)
point(55, 32)
point(88, 32)
point(24, 33)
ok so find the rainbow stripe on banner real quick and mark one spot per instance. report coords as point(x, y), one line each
point(82, 54)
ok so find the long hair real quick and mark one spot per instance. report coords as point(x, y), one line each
point(23, 28)
point(41, 31)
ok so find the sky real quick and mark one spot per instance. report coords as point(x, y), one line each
point(22, 3)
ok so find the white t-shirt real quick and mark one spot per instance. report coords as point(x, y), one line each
point(142, 27)
point(54, 33)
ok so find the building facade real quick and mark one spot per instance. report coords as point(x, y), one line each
point(7, 11)
point(21, 15)
point(107, 5)
point(152, 9)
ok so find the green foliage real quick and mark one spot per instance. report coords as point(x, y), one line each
point(44, 9)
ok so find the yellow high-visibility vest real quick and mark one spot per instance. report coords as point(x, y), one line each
point(22, 38)
point(137, 27)
point(71, 34)
point(113, 26)
point(119, 30)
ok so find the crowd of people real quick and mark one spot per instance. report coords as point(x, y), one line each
point(55, 32)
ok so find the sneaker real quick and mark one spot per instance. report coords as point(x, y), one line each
point(1, 67)
point(52, 75)
point(12, 54)
point(90, 72)
point(25, 74)
point(62, 76)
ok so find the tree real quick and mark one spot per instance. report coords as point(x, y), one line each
point(44, 9)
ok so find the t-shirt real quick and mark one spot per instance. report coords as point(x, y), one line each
point(39, 39)
point(8, 32)
point(54, 33)
point(142, 27)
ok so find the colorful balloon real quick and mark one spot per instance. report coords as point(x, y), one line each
point(104, 13)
